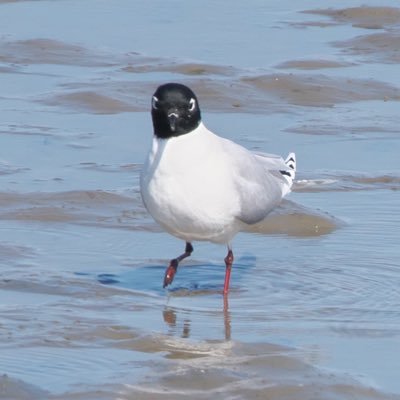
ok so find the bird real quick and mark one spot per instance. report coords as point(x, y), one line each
point(199, 186)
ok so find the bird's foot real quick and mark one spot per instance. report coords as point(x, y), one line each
point(170, 272)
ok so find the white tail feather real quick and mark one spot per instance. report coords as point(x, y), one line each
point(289, 173)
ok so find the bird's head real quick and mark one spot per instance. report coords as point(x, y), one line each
point(175, 110)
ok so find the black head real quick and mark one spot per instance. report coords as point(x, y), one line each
point(175, 110)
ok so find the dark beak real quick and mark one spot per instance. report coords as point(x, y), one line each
point(173, 119)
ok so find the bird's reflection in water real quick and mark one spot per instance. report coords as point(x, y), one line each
point(170, 316)
point(227, 318)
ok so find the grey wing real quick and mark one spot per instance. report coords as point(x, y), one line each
point(260, 186)
point(272, 162)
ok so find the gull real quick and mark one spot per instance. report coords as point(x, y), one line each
point(199, 186)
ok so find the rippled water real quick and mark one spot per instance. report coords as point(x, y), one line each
point(315, 300)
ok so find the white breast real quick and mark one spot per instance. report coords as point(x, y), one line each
point(187, 187)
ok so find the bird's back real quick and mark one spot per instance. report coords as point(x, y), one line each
point(200, 186)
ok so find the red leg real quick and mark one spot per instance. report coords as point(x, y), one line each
point(173, 265)
point(228, 264)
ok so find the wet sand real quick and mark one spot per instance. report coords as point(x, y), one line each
point(314, 307)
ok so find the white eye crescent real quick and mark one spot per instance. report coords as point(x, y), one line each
point(154, 103)
point(192, 104)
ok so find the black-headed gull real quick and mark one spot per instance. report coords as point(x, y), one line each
point(200, 186)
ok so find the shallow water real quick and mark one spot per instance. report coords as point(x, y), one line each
point(315, 300)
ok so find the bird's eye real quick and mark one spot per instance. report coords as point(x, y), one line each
point(154, 103)
point(192, 104)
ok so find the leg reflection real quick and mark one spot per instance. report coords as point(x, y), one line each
point(171, 319)
point(227, 318)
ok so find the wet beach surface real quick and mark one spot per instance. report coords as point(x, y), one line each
point(314, 310)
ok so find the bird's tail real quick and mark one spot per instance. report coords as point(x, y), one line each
point(290, 172)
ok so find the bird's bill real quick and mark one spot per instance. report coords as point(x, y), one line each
point(173, 119)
